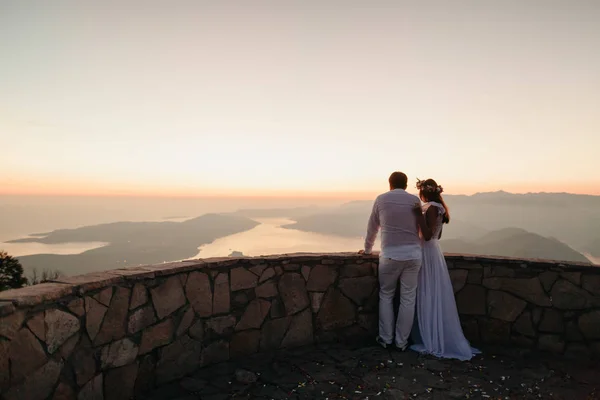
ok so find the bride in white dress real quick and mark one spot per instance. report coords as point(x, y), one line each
point(437, 330)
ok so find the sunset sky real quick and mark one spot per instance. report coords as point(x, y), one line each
point(298, 97)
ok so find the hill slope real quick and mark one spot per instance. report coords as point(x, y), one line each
point(515, 242)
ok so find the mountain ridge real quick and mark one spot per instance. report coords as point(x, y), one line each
point(569, 219)
point(134, 243)
point(518, 243)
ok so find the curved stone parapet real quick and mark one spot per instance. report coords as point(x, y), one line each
point(116, 334)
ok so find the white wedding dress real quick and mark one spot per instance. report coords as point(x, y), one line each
point(437, 329)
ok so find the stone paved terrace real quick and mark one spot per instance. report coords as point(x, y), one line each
point(363, 371)
point(153, 331)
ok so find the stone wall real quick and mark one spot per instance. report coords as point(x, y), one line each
point(538, 304)
point(114, 334)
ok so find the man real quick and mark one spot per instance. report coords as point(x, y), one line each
point(398, 214)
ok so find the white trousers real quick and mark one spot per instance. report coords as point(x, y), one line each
point(390, 272)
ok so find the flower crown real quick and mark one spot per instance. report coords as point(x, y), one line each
point(426, 187)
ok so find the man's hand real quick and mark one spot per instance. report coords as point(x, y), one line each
point(361, 252)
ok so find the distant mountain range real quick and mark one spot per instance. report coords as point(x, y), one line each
point(133, 243)
point(554, 225)
point(508, 242)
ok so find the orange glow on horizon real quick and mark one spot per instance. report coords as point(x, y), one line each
point(76, 189)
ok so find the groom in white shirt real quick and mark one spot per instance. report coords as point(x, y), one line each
point(395, 213)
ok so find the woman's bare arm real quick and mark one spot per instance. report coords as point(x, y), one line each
point(422, 222)
point(432, 220)
point(427, 222)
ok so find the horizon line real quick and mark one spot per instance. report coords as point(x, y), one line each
point(277, 195)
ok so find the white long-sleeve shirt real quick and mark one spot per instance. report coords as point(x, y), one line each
point(393, 214)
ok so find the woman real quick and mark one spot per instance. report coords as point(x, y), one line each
point(437, 330)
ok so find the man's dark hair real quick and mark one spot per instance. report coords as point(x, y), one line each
point(398, 180)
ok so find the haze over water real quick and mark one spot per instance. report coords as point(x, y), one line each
point(270, 238)
point(25, 249)
point(22, 216)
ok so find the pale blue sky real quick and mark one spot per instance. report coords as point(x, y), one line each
point(298, 96)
